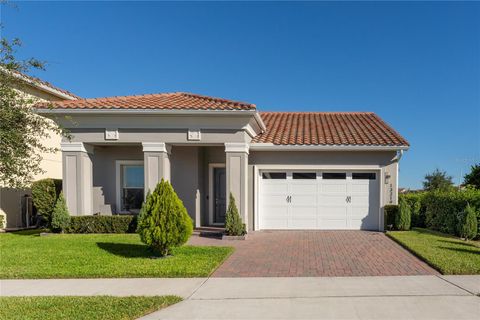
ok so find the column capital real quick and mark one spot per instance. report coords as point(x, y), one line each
point(156, 147)
point(75, 147)
point(237, 147)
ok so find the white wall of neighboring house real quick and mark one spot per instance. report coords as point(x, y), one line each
point(11, 200)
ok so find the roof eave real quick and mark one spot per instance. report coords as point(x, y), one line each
point(141, 111)
point(275, 147)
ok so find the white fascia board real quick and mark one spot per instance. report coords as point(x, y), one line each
point(236, 147)
point(146, 111)
point(273, 147)
point(260, 122)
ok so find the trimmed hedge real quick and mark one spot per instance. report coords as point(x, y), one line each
point(45, 193)
point(103, 224)
point(417, 207)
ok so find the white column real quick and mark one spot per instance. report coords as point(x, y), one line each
point(156, 163)
point(237, 176)
point(77, 177)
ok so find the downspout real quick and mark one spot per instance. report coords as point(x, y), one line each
point(398, 156)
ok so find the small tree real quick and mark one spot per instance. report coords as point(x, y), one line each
point(403, 218)
point(467, 223)
point(473, 178)
point(437, 180)
point(163, 222)
point(60, 215)
point(233, 223)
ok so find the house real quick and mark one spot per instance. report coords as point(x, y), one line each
point(12, 204)
point(286, 170)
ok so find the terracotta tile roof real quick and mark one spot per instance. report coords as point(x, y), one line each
point(176, 100)
point(36, 81)
point(328, 128)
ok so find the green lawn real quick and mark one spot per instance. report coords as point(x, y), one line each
point(447, 254)
point(99, 307)
point(28, 255)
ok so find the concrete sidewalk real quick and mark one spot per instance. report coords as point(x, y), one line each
point(402, 297)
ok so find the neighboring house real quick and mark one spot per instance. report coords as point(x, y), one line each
point(286, 170)
point(11, 200)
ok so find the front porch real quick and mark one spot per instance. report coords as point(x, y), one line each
point(114, 178)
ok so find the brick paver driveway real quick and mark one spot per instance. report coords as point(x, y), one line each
point(316, 253)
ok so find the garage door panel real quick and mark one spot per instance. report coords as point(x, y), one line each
point(330, 204)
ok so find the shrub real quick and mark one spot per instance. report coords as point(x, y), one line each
point(233, 223)
point(417, 207)
point(442, 208)
point(60, 215)
point(3, 222)
point(164, 222)
point(103, 224)
point(467, 223)
point(44, 194)
point(390, 211)
point(403, 218)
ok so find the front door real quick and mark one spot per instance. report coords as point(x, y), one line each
point(219, 191)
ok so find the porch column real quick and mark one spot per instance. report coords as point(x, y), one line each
point(156, 163)
point(237, 176)
point(77, 177)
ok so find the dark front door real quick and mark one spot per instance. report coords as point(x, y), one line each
point(219, 191)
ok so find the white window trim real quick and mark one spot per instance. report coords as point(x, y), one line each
point(211, 195)
point(258, 169)
point(118, 164)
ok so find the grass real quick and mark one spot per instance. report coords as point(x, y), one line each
point(447, 254)
point(99, 307)
point(26, 255)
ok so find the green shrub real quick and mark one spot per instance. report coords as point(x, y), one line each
point(403, 218)
point(2, 221)
point(60, 215)
point(390, 211)
point(233, 223)
point(45, 193)
point(417, 207)
point(467, 223)
point(164, 222)
point(442, 208)
point(102, 224)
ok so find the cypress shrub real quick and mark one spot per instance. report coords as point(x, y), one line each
point(163, 222)
point(467, 224)
point(45, 193)
point(103, 224)
point(60, 215)
point(390, 211)
point(403, 218)
point(417, 207)
point(233, 223)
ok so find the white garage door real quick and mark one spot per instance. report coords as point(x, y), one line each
point(319, 200)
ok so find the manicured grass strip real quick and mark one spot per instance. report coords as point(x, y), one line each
point(27, 255)
point(92, 308)
point(447, 254)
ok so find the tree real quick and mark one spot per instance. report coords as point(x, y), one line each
point(404, 217)
point(473, 178)
point(437, 180)
point(233, 223)
point(22, 132)
point(467, 224)
point(163, 222)
point(60, 215)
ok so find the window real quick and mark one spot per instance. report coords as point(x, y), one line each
point(274, 175)
point(131, 187)
point(364, 176)
point(334, 175)
point(304, 175)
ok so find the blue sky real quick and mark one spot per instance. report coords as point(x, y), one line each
point(417, 65)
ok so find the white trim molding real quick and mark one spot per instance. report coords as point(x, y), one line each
point(75, 147)
point(156, 147)
point(297, 147)
point(236, 147)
